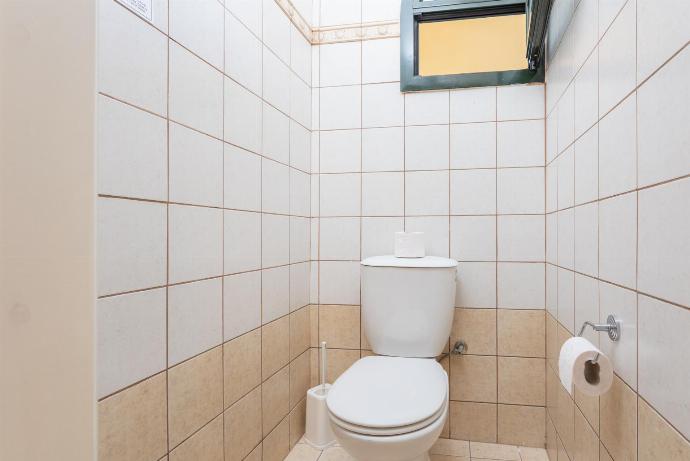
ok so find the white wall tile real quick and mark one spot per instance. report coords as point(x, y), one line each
point(131, 339)
point(473, 105)
point(473, 145)
point(566, 118)
point(566, 178)
point(132, 151)
point(380, 10)
point(552, 290)
point(586, 306)
point(195, 318)
point(196, 242)
point(662, 110)
point(341, 64)
point(664, 246)
point(476, 285)
point(566, 238)
point(426, 193)
point(566, 299)
point(242, 241)
point(300, 190)
point(621, 303)
point(275, 293)
point(618, 149)
point(300, 239)
point(552, 135)
point(587, 94)
point(339, 238)
point(378, 235)
point(436, 231)
point(660, 33)
point(617, 59)
point(551, 187)
point(552, 238)
point(198, 26)
point(473, 192)
point(587, 167)
point(340, 194)
point(243, 54)
point(473, 238)
point(276, 30)
point(241, 304)
point(586, 239)
point(242, 177)
point(341, 107)
point(520, 190)
point(300, 101)
point(276, 134)
point(196, 167)
point(618, 239)
point(275, 240)
point(130, 245)
point(299, 285)
point(521, 238)
point(520, 102)
point(585, 30)
point(664, 369)
point(300, 54)
point(300, 147)
point(341, 151)
point(339, 282)
point(383, 149)
point(242, 117)
point(520, 143)
point(383, 194)
point(276, 81)
point(427, 147)
point(382, 105)
point(381, 60)
point(275, 187)
point(427, 108)
point(521, 285)
point(340, 12)
point(249, 12)
point(196, 92)
point(126, 42)
point(608, 9)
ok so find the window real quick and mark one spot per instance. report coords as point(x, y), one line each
point(468, 43)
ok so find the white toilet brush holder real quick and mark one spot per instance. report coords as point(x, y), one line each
point(318, 431)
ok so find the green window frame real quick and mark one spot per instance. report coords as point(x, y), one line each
point(413, 12)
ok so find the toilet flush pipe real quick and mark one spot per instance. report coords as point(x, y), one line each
point(323, 367)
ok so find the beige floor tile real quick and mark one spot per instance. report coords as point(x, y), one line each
point(206, 444)
point(473, 378)
point(275, 400)
point(533, 454)
point(657, 439)
point(477, 327)
point(521, 425)
point(303, 452)
point(275, 346)
point(451, 447)
point(339, 326)
point(242, 426)
point(447, 458)
point(494, 451)
point(335, 454)
point(276, 445)
point(241, 366)
point(132, 423)
point(521, 333)
point(473, 421)
point(195, 394)
point(619, 421)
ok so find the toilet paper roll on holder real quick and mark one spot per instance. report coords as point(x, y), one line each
point(612, 326)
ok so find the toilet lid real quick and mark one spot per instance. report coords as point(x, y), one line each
point(388, 392)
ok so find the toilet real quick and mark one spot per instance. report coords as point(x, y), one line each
point(393, 406)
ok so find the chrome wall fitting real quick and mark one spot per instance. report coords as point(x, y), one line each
point(612, 326)
point(458, 348)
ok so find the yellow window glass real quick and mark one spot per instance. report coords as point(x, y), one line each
point(462, 46)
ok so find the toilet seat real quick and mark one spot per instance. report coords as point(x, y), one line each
point(388, 395)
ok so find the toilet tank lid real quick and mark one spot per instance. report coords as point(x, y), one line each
point(392, 261)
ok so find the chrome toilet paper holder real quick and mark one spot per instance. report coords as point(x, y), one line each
point(612, 326)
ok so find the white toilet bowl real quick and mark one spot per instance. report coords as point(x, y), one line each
point(389, 408)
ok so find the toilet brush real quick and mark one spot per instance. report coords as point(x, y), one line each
point(318, 427)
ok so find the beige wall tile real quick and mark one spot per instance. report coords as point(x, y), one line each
point(589, 406)
point(314, 367)
point(299, 378)
point(256, 454)
point(276, 445)
point(658, 439)
point(299, 332)
point(473, 378)
point(565, 419)
point(473, 421)
point(551, 440)
point(207, 444)
point(562, 454)
point(132, 423)
point(552, 385)
point(195, 394)
point(522, 425)
point(338, 361)
point(552, 350)
point(241, 365)
point(482, 450)
point(563, 336)
point(275, 346)
point(477, 327)
point(364, 342)
point(242, 426)
point(313, 325)
point(603, 454)
point(533, 454)
point(521, 380)
point(298, 417)
point(275, 399)
point(586, 441)
point(339, 326)
point(619, 421)
point(521, 333)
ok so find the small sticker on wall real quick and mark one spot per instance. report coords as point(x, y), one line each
point(141, 7)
